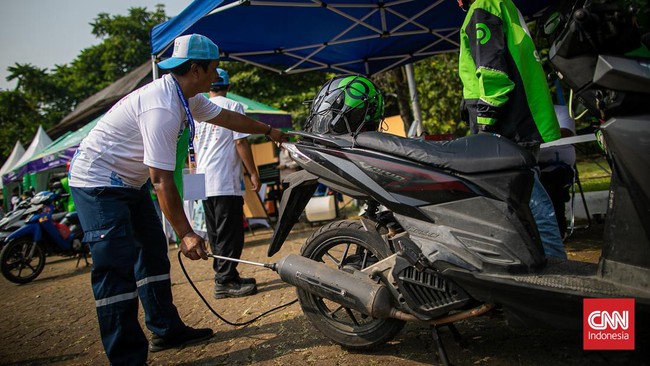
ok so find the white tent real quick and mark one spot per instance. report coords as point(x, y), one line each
point(16, 154)
point(40, 141)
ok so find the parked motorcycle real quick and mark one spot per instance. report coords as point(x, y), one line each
point(448, 233)
point(14, 219)
point(43, 233)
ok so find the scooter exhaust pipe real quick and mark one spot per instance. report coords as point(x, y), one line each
point(352, 290)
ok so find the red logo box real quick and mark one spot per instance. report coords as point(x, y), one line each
point(608, 324)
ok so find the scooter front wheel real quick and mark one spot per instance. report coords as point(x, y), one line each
point(22, 260)
point(346, 245)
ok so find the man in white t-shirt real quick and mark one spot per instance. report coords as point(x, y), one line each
point(220, 154)
point(136, 140)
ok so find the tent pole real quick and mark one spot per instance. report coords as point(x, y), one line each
point(415, 103)
point(154, 67)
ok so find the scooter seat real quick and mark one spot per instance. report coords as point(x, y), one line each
point(472, 154)
point(58, 216)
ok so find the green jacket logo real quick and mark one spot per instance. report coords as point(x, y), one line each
point(482, 33)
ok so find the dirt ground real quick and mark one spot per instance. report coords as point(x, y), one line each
point(51, 321)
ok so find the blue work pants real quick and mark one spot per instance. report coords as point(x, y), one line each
point(130, 261)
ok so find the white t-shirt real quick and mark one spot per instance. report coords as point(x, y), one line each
point(564, 154)
point(216, 154)
point(138, 132)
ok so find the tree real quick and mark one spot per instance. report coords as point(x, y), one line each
point(440, 93)
point(397, 100)
point(125, 46)
point(16, 119)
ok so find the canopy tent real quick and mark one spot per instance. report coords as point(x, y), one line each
point(11, 178)
point(40, 141)
point(61, 151)
point(343, 36)
point(13, 158)
point(50, 159)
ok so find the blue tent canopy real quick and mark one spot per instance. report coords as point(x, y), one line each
point(343, 36)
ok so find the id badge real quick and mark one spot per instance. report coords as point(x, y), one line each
point(193, 185)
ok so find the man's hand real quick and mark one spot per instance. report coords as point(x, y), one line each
point(193, 246)
point(255, 182)
point(277, 135)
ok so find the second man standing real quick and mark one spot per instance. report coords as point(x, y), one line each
point(220, 154)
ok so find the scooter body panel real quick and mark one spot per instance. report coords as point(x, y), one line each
point(31, 230)
point(553, 297)
point(627, 225)
point(40, 227)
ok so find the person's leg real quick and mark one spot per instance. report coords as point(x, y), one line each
point(153, 280)
point(228, 234)
point(553, 180)
point(104, 216)
point(544, 214)
point(152, 268)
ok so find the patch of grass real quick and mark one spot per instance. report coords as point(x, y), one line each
point(595, 173)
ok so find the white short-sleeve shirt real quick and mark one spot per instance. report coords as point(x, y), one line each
point(216, 154)
point(560, 154)
point(138, 132)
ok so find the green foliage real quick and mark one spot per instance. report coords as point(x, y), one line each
point(396, 94)
point(440, 93)
point(16, 119)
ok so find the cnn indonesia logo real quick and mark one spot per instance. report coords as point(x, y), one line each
point(608, 324)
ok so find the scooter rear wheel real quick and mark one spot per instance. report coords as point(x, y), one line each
point(16, 264)
point(346, 244)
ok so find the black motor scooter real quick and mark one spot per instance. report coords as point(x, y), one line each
point(447, 232)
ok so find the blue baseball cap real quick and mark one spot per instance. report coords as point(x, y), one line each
point(222, 78)
point(190, 47)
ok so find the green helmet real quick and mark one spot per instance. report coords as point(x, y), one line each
point(346, 104)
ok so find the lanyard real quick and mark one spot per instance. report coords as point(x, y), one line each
point(191, 155)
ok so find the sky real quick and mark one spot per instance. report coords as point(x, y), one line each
point(45, 33)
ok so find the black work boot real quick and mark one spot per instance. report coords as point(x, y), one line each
point(234, 289)
point(246, 280)
point(185, 336)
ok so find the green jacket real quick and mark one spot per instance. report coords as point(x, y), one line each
point(504, 84)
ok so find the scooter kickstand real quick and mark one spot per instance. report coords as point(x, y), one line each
point(457, 336)
point(442, 353)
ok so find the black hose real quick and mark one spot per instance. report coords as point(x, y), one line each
point(180, 261)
